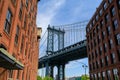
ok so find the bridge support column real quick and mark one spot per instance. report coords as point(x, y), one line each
point(61, 72)
point(51, 71)
point(47, 69)
point(63, 68)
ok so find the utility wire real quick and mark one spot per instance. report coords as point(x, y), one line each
point(43, 42)
point(43, 35)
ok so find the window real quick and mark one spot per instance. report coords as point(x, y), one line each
point(95, 77)
point(91, 77)
point(105, 47)
point(106, 60)
point(115, 24)
point(110, 1)
point(92, 55)
point(88, 48)
point(113, 59)
point(99, 38)
point(118, 39)
point(94, 42)
point(97, 28)
point(115, 73)
point(96, 54)
point(102, 62)
point(96, 17)
point(108, 30)
point(108, 75)
point(103, 34)
point(10, 72)
point(93, 66)
point(101, 12)
point(100, 50)
point(16, 35)
point(26, 3)
point(20, 13)
point(118, 52)
point(25, 22)
point(105, 6)
point(113, 11)
point(101, 23)
point(106, 18)
point(111, 43)
point(89, 58)
point(90, 26)
point(22, 44)
point(94, 32)
point(93, 22)
point(90, 35)
point(103, 75)
point(8, 21)
point(96, 64)
point(119, 3)
point(98, 76)
point(90, 67)
point(26, 48)
point(87, 29)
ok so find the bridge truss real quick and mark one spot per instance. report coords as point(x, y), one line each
point(65, 41)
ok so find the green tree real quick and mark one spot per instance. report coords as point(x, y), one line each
point(47, 78)
point(85, 77)
point(39, 78)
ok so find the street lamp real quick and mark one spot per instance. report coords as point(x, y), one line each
point(85, 67)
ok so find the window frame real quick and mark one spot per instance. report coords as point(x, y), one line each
point(113, 60)
point(105, 5)
point(115, 24)
point(118, 39)
point(108, 30)
point(8, 21)
point(107, 18)
point(17, 34)
point(20, 11)
point(113, 11)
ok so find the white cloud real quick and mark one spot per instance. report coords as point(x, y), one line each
point(45, 17)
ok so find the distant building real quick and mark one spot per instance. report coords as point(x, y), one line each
point(74, 78)
point(103, 38)
point(19, 41)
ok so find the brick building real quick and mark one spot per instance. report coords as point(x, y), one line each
point(19, 40)
point(103, 38)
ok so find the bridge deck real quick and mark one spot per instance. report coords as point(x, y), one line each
point(73, 52)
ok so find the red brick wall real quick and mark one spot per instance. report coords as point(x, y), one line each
point(29, 54)
point(92, 37)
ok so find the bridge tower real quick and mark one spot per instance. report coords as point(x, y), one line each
point(51, 39)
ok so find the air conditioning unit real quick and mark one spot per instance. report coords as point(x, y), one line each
point(10, 78)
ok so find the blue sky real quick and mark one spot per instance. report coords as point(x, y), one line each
point(60, 12)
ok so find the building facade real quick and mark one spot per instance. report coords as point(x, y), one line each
point(19, 40)
point(103, 41)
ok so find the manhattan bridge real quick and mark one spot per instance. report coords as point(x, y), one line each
point(62, 44)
